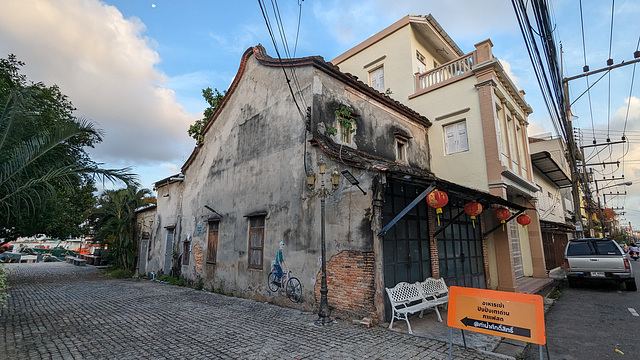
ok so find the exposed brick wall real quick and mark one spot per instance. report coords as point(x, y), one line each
point(350, 280)
point(433, 243)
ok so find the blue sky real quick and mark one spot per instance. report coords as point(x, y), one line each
point(137, 67)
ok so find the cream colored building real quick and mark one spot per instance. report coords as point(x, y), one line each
point(479, 134)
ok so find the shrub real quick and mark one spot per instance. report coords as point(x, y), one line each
point(120, 274)
point(168, 279)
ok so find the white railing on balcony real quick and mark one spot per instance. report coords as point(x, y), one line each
point(444, 72)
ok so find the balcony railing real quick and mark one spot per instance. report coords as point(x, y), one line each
point(445, 72)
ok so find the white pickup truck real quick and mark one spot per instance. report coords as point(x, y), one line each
point(598, 259)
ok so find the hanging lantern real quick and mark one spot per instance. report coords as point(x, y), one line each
point(437, 199)
point(503, 214)
point(524, 220)
point(473, 209)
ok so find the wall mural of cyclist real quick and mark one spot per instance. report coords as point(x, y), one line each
point(280, 278)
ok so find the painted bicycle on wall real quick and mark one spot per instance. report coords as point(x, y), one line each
point(287, 284)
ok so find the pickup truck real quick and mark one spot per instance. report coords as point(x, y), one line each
point(597, 259)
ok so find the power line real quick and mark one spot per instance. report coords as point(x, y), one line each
point(275, 45)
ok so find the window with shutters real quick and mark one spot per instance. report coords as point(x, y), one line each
point(256, 242)
point(212, 242)
point(186, 252)
point(401, 151)
point(456, 138)
point(376, 78)
point(420, 62)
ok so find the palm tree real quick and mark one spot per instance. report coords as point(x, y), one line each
point(41, 145)
point(115, 219)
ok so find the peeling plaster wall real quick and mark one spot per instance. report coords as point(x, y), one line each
point(145, 235)
point(167, 215)
point(254, 160)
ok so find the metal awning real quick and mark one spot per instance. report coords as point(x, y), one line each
point(484, 198)
point(545, 163)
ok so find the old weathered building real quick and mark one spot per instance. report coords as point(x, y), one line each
point(245, 188)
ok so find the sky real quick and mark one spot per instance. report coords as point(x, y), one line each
point(137, 68)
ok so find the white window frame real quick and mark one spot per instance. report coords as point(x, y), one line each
point(459, 140)
point(401, 151)
point(376, 78)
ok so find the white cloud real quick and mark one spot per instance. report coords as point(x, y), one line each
point(107, 67)
point(241, 40)
point(507, 68)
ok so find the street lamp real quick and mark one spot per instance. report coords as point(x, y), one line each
point(322, 193)
point(628, 183)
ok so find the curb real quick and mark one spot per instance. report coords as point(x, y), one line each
point(515, 349)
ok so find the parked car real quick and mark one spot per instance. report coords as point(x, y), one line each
point(598, 259)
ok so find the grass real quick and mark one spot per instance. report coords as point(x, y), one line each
point(120, 274)
point(166, 278)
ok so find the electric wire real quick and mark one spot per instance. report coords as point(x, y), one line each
point(613, 2)
point(275, 45)
point(283, 38)
point(295, 48)
point(633, 75)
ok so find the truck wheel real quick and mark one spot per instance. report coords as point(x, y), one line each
point(572, 282)
point(631, 285)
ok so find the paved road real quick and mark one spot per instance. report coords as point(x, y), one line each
point(61, 311)
point(591, 321)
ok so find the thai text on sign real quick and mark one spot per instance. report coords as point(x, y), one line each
point(506, 314)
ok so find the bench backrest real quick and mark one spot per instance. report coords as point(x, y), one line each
point(433, 287)
point(403, 292)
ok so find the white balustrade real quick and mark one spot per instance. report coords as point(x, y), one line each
point(444, 72)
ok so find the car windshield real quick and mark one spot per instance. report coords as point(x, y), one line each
point(604, 247)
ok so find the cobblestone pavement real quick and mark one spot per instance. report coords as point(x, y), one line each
point(61, 311)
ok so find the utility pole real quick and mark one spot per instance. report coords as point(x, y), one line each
point(573, 154)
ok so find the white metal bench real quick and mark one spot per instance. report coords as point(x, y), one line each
point(408, 298)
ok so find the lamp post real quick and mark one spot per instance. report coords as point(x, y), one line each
point(322, 193)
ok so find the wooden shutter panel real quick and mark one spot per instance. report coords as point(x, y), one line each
point(450, 139)
point(463, 141)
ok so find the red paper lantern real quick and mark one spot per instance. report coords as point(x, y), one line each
point(437, 199)
point(503, 214)
point(524, 220)
point(473, 209)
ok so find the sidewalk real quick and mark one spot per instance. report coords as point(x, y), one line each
point(61, 311)
point(429, 328)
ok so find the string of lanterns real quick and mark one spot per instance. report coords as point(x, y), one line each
point(438, 199)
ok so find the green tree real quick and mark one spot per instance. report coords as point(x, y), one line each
point(213, 98)
point(114, 223)
point(42, 154)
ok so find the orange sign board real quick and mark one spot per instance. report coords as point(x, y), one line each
point(506, 314)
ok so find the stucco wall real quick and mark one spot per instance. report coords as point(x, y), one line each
point(254, 160)
point(167, 216)
point(466, 168)
point(397, 62)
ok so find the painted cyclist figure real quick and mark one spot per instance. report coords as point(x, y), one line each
point(280, 264)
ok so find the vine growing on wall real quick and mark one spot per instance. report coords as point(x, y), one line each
point(346, 121)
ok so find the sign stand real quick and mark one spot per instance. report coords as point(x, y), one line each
point(498, 313)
